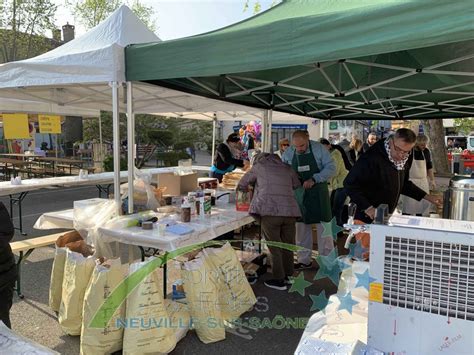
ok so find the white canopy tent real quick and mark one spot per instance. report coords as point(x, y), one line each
point(89, 72)
point(12, 105)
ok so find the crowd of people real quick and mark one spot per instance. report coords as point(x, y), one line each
point(308, 182)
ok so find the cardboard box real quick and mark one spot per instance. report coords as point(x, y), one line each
point(177, 185)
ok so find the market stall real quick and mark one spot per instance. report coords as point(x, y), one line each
point(338, 60)
point(174, 232)
point(18, 190)
point(89, 72)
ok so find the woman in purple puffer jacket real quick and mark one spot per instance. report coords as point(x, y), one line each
point(275, 205)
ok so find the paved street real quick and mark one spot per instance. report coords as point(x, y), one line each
point(32, 317)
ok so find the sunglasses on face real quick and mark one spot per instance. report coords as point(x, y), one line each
point(285, 145)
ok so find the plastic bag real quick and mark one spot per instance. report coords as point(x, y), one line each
point(88, 219)
point(151, 334)
point(200, 286)
point(235, 293)
point(243, 199)
point(105, 278)
point(144, 194)
point(57, 271)
point(77, 273)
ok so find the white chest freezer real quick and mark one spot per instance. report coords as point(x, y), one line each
point(422, 299)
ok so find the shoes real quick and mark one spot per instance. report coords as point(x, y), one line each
point(276, 284)
point(288, 281)
point(301, 266)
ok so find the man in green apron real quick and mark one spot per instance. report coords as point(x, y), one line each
point(314, 166)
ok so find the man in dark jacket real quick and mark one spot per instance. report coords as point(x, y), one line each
point(381, 175)
point(7, 266)
point(224, 161)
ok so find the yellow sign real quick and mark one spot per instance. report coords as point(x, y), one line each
point(376, 292)
point(49, 124)
point(15, 126)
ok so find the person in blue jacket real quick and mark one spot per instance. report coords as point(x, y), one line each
point(314, 166)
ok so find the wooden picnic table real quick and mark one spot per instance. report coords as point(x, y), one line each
point(14, 165)
point(20, 155)
point(57, 162)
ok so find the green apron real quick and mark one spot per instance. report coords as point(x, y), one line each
point(314, 202)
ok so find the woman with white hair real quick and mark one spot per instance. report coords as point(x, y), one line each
point(421, 174)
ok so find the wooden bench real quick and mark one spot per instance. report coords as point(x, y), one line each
point(25, 247)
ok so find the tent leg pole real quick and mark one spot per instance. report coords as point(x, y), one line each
point(116, 143)
point(130, 144)
point(100, 129)
point(264, 133)
point(269, 131)
point(214, 125)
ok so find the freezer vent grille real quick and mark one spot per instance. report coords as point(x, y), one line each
point(429, 276)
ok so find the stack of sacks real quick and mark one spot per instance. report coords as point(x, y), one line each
point(217, 291)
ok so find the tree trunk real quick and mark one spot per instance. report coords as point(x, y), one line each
point(439, 153)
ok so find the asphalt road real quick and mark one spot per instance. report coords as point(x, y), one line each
point(32, 318)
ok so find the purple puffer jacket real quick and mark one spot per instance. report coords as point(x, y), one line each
point(274, 184)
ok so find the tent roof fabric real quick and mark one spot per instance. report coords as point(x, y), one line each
point(75, 77)
point(328, 59)
point(97, 56)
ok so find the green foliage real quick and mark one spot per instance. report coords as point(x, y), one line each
point(91, 12)
point(161, 137)
point(464, 125)
point(257, 6)
point(166, 133)
point(171, 158)
point(108, 163)
point(23, 26)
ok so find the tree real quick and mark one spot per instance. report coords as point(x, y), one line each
point(434, 129)
point(257, 6)
point(92, 12)
point(152, 133)
point(23, 24)
point(464, 125)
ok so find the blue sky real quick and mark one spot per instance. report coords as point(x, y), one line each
point(182, 18)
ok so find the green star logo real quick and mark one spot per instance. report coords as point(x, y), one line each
point(320, 301)
point(331, 229)
point(299, 284)
point(328, 267)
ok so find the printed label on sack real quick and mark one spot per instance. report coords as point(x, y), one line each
point(376, 292)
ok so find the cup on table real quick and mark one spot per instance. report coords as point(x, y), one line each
point(161, 227)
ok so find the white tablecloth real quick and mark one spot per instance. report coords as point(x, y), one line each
point(224, 218)
point(53, 220)
point(12, 343)
point(338, 331)
point(6, 188)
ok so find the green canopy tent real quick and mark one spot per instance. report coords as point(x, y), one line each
point(328, 59)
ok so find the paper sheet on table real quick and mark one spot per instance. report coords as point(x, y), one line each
point(12, 344)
